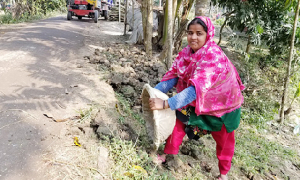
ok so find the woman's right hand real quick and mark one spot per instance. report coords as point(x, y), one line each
point(157, 104)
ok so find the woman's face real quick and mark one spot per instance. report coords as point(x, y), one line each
point(196, 36)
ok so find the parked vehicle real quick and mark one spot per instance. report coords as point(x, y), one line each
point(87, 8)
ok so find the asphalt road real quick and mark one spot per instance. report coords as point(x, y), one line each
point(40, 74)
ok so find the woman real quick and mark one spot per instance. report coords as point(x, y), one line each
point(209, 93)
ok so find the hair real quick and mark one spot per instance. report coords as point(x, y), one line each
point(197, 21)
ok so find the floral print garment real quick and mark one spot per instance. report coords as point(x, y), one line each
point(217, 83)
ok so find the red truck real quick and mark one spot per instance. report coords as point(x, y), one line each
point(87, 8)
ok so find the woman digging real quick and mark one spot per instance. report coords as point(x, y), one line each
point(209, 94)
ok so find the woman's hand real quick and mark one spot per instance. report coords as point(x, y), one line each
point(157, 104)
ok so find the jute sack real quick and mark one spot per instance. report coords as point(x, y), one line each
point(159, 123)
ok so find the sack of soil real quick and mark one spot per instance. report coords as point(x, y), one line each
point(159, 123)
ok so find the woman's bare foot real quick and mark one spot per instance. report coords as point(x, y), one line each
point(223, 177)
point(159, 159)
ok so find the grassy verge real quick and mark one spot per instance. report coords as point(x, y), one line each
point(7, 18)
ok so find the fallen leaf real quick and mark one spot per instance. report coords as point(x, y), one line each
point(61, 120)
point(48, 115)
point(128, 174)
point(140, 169)
point(76, 141)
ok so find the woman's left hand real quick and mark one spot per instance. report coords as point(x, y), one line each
point(156, 103)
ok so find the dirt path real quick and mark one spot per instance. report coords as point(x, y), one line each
point(42, 71)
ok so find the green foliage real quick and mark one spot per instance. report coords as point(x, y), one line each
point(268, 20)
point(24, 11)
point(125, 108)
point(220, 21)
point(297, 94)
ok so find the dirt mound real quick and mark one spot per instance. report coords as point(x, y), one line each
point(129, 69)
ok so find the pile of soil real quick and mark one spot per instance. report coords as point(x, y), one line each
point(129, 69)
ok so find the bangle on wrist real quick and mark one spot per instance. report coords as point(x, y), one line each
point(164, 104)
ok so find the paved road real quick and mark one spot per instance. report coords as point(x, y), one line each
point(39, 74)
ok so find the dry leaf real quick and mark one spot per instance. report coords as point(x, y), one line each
point(48, 115)
point(61, 120)
point(128, 174)
point(140, 169)
point(76, 141)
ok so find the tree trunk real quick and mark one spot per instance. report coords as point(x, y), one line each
point(163, 41)
point(119, 10)
point(144, 18)
point(188, 4)
point(223, 25)
point(201, 7)
point(132, 14)
point(248, 44)
point(170, 34)
point(125, 16)
point(149, 29)
point(287, 78)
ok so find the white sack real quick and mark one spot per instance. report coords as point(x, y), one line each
point(159, 123)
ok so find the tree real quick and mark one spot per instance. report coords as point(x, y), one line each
point(201, 7)
point(147, 19)
point(287, 78)
point(170, 34)
point(256, 16)
point(182, 22)
point(125, 17)
point(148, 39)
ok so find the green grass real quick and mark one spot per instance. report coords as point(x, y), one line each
point(254, 153)
point(7, 18)
point(125, 107)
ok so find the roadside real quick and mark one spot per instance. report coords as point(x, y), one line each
point(87, 81)
point(46, 85)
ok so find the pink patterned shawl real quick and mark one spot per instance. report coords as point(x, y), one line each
point(217, 83)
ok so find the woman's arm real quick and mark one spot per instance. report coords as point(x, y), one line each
point(180, 100)
point(183, 98)
point(165, 86)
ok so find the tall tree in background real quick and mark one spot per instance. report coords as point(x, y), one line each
point(201, 7)
point(182, 22)
point(181, 10)
point(167, 37)
point(169, 42)
point(287, 78)
point(147, 19)
point(148, 39)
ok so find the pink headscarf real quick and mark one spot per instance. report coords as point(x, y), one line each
point(217, 83)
